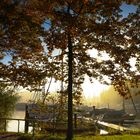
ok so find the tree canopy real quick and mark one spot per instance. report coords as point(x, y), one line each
point(91, 24)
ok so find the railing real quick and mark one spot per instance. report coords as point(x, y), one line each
point(43, 125)
point(5, 121)
point(34, 123)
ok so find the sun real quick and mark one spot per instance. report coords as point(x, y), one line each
point(92, 89)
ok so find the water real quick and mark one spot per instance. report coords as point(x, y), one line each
point(18, 115)
point(12, 126)
point(103, 132)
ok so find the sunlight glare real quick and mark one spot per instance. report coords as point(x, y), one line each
point(92, 89)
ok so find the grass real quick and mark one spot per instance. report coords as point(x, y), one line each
point(115, 137)
point(89, 136)
point(58, 137)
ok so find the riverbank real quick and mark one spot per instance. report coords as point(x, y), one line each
point(77, 137)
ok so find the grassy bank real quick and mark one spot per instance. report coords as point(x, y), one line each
point(21, 136)
point(116, 137)
point(56, 137)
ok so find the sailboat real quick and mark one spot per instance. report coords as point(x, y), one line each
point(112, 115)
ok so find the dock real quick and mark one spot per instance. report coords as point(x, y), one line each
point(113, 126)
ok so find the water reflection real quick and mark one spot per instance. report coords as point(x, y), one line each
point(18, 115)
point(13, 125)
point(103, 132)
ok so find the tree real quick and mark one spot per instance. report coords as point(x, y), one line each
point(20, 42)
point(79, 26)
point(75, 27)
point(8, 99)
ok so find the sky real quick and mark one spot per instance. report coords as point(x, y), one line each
point(126, 9)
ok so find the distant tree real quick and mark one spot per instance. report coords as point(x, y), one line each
point(8, 99)
point(111, 98)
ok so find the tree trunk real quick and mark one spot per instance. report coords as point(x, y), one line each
point(70, 81)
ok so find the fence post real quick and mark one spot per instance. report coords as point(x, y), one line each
point(33, 129)
point(26, 120)
point(5, 123)
point(75, 120)
point(18, 125)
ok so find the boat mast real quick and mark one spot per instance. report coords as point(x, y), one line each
point(132, 99)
